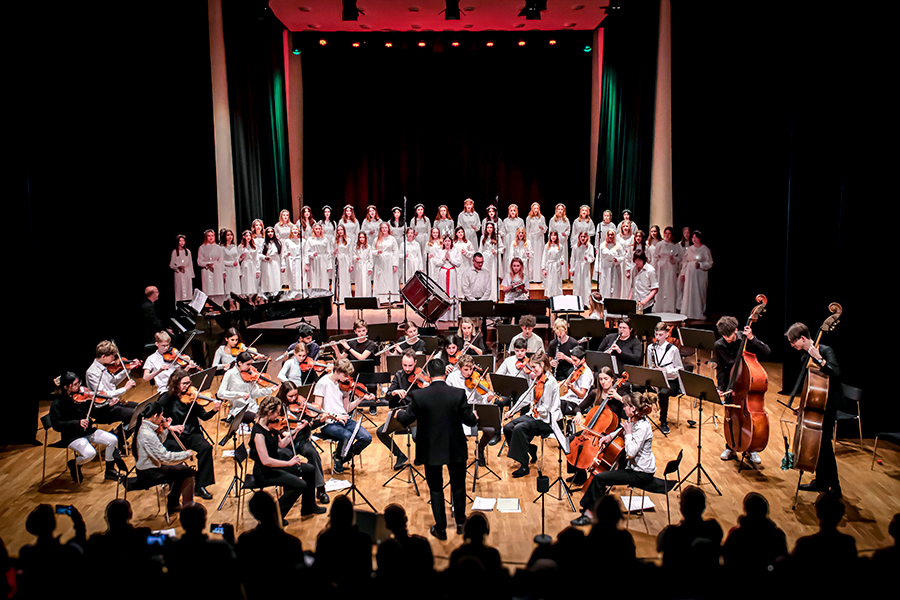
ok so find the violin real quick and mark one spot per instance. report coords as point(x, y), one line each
point(573, 376)
point(476, 381)
point(419, 377)
point(243, 348)
point(538, 394)
point(599, 421)
point(453, 359)
point(86, 395)
point(120, 363)
point(194, 395)
point(522, 365)
point(319, 367)
point(253, 376)
point(176, 358)
point(359, 389)
point(280, 423)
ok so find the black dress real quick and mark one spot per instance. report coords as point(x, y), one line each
point(296, 480)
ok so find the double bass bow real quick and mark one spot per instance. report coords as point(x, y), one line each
point(746, 421)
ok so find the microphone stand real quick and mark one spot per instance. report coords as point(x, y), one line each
point(302, 244)
point(405, 317)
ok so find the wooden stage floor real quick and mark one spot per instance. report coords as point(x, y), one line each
point(872, 496)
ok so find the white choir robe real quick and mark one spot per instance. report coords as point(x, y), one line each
point(213, 281)
point(444, 264)
point(422, 228)
point(384, 263)
point(352, 230)
point(362, 265)
point(577, 227)
point(398, 233)
point(445, 226)
point(430, 251)
point(507, 234)
point(230, 256)
point(283, 232)
point(524, 252)
point(552, 262)
point(484, 222)
point(328, 228)
point(184, 287)
point(696, 280)
point(248, 258)
point(634, 227)
point(581, 261)
point(600, 239)
point(610, 270)
point(651, 251)
point(470, 222)
point(270, 265)
point(414, 261)
point(679, 295)
point(292, 251)
point(667, 260)
point(563, 228)
point(535, 230)
point(343, 276)
point(318, 257)
point(370, 228)
point(466, 252)
point(627, 263)
point(492, 253)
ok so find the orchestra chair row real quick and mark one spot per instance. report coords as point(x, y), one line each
point(246, 482)
point(659, 486)
point(130, 484)
point(47, 426)
point(854, 395)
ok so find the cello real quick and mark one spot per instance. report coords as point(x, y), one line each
point(813, 399)
point(599, 421)
point(746, 421)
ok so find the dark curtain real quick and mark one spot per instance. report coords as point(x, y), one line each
point(441, 126)
point(254, 55)
point(627, 103)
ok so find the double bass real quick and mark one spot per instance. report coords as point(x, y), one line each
point(746, 421)
point(813, 399)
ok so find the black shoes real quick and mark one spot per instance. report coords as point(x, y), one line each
point(373, 410)
point(481, 461)
point(315, 509)
point(111, 473)
point(322, 497)
point(495, 440)
point(813, 486)
point(338, 466)
point(460, 528)
point(577, 479)
point(521, 471)
point(120, 464)
point(401, 462)
point(202, 492)
point(664, 427)
point(75, 471)
point(532, 450)
point(582, 521)
point(440, 534)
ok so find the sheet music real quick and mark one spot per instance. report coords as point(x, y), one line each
point(350, 441)
point(566, 303)
point(563, 440)
point(198, 301)
point(484, 504)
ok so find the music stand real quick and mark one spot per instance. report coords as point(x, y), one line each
point(505, 334)
point(644, 327)
point(704, 390)
point(382, 332)
point(513, 310)
point(368, 378)
point(598, 360)
point(139, 409)
point(393, 425)
point(562, 445)
point(488, 416)
point(197, 379)
point(360, 304)
point(431, 343)
point(644, 377)
point(395, 362)
point(232, 434)
point(616, 308)
point(354, 489)
point(510, 387)
point(592, 329)
point(698, 339)
point(485, 362)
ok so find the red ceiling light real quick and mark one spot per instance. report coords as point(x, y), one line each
point(455, 44)
point(322, 42)
point(388, 45)
point(521, 42)
point(356, 44)
point(490, 44)
point(421, 44)
point(552, 42)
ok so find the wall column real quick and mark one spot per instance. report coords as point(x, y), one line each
point(221, 118)
point(661, 175)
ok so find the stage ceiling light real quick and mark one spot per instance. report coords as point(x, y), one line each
point(452, 12)
point(521, 42)
point(349, 12)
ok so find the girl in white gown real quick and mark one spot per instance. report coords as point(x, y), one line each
point(610, 256)
point(653, 240)
point(514, 286)
point(465, 248)
point(306, 222)
point(521, 249)
point(413, 255)
point(271, 264)
point(183, 264)
point(605, 224)
point(422, 226)
point(626, 218)
point(469, 220)
point(560, 224)
point(258, 232)
point(432, 247)
point(361, 266)
point(398, 227)
point(667, 262)
point(344, 253)
point(492, 250)
point(626, 243)
point(212, 267)
point(371, 224)
point(444, 263)
point(292, 253)
point(328, 228)
point(581, 267)
point(443, 221)
point(384, 269)
point(694, 273)
point(535, 228)
point(491, 212)
point(351, 225)
point(318, 259)
point(552, 265)
point(283, 226)
point(508, 232)
point(232, 267)
point(248, 257)
point(582, 223)
point(685, 243)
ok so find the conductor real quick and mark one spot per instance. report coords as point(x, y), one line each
point(441, 411)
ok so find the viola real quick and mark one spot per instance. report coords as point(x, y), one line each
point(746, 421)
point(419, 377)
point(243, 348)
point(281, 422)
point(538, 394)
point(599, 421)
point(251, 375)
point(120, 363)
point(194, 395)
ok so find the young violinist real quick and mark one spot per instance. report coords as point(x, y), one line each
point(475, 341)
point(640, 466)
point(300, 367)
point(272, 467)
point(225, 353)
point(358, 349)
point(411, 340)
point(156, 367)
point(580, 380)
point(100, 378)
point(534, 343)
point(461, 379)
point(240, 389)
point(451, 350)
point(560, 350)
point(155, 464)
point(70, 418)
point(513, 365)
point(329, 396)
point(186, 413)
point(542, 400)
point(396, 394)
point(289, 396)
point(823, 358)
point(513, 285)
point(726, 353)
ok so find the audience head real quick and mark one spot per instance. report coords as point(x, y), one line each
point(395, 519)
point(264, 509)
point(693, 503)
point(477, 527)
point(756, 506)
point(193, 518)
point(829, 510)
point(41, 521)
point(118, 513)
point(608, 514)
point(341, 513)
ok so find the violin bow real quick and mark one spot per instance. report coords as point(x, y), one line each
point(183, 348)
point(191, 407)
point(422, 370)
point(124, 366)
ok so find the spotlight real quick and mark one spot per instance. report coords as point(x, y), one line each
point(521, 42)
point(452, 12)
point(355, 44)
point(532, 10)
point(322, 42)
point(455, 44)
point(388, 45)
point(349, 12)
point(552, 42)
point(421, 44)
point(587, 48)
point(490, 44)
